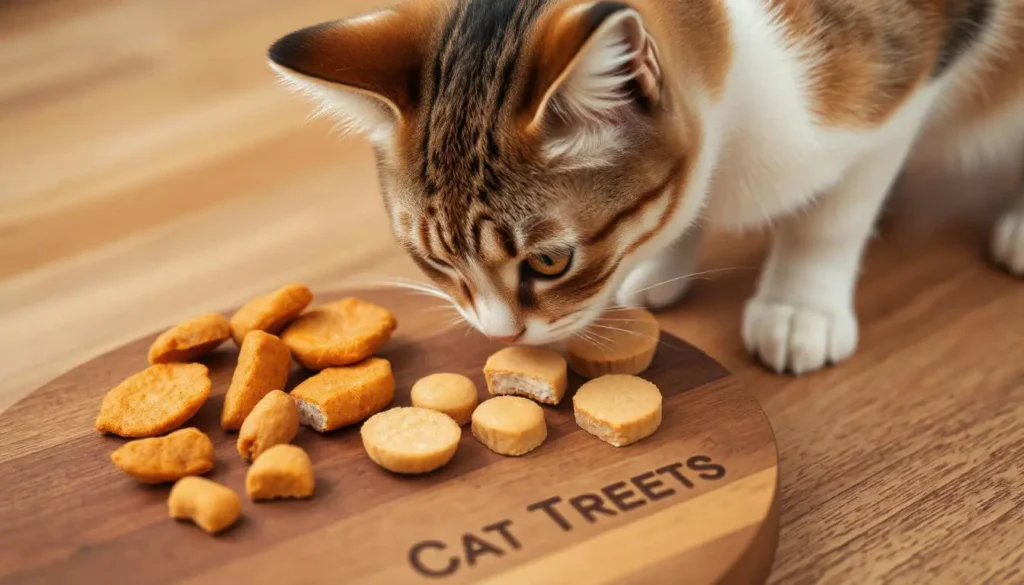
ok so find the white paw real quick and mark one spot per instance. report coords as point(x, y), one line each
point(1008, 243)
point(655, 284)
point(797, 339)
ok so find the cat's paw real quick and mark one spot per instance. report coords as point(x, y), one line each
point(1008, 243)
point(791, 338)
point(655, 284)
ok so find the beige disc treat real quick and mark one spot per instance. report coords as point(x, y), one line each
point(263, 365)
point(270, 313)
point(618, 409)
point(510, 425)
point(411, 439)
point(337, 397)
point(539, 374)
point(624, 344)
point(452, 394)
point(339, 334)
point(190, 340)
point(283, 471)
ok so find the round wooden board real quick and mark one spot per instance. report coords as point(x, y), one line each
point(695, 503)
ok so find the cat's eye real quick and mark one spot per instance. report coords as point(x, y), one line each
point(551, 265)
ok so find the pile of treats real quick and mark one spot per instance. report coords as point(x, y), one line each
point(338, 341)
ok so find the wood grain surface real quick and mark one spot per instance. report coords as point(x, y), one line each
point(151, 169)
point(694, 503)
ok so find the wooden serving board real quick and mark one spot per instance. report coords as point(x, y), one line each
point(695, 503)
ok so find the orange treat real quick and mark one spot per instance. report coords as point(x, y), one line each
point(270, 313)
point(337, 397)
point(274, 420)
point(263, 365)
point(154, 401)
point(210, 505)
point(339, 334)
point(170, 458)
point(283, 471)
point(190, 340)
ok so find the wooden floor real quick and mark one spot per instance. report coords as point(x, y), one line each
point(151, 169)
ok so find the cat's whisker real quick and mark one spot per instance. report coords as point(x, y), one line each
point(694, 275)
point(636, 333)
point(418, 287)
point(598, 341)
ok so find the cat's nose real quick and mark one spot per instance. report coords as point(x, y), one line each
point(509, 339)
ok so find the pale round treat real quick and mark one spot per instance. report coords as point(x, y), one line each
point(618, 409)
point(510, 425)
point(452, 394)
point(411, 439)
point(623, 342)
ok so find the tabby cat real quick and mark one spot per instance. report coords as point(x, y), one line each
point(542, 160)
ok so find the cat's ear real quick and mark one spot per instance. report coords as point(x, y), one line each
point(365, 70)
point(593, 61)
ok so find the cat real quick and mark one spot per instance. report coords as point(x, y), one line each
point(543, 160)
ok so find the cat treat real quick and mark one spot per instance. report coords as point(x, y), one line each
point(510, 425)
point(274, 421)
point(190, 340)
point(452, 394)
point(154, 401)
point(538, 374)
point(270, 313)
point(339, 334)
point(283, 471)
point(624, 342)
point(210, 505)
point(411, 440)
point(169, 458)
point(337, 397)
point(618, 409)
point(263, 365)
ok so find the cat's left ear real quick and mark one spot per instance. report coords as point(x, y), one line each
point(592, 60)
point(364, 70)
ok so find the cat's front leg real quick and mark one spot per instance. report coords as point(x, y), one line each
point(802, 316)
point(664, 278)
point(1008, 239)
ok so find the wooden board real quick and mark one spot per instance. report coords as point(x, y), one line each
point(695, 503)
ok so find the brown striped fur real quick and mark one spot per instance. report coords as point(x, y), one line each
point(870, 55)
point(469, 173)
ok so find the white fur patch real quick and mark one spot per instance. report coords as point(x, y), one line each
point(594, 87)
point(357, 112)
point(597, 82)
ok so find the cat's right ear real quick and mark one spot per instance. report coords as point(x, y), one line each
point(364, 70)
point(594, 62)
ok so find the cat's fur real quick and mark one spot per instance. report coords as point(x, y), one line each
point(512, 130)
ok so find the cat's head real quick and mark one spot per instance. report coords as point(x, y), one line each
point(530, 152)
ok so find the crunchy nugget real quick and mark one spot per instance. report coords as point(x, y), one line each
point(154, 401)
point(191, 340)
point(169, 458)
point(339, 334)
point(271, 312)
point(263, 365)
